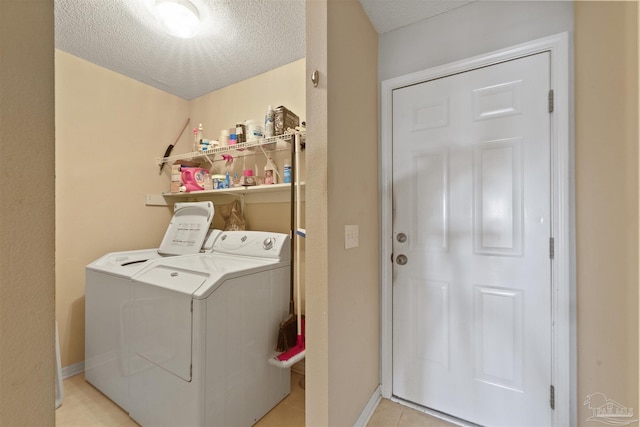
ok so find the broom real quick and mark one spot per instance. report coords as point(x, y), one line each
point(167, 152)
point(289, 326)
point(297, 352)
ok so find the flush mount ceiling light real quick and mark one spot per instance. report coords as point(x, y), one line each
point(179, 18)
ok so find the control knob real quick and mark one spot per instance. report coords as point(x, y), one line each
point(268, 243)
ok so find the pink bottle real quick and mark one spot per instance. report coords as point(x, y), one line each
point(193, 178)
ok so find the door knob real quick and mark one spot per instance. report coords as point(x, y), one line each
point(401, 259)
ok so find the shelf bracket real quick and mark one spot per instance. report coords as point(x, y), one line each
point(242, 206)
point(210, 160)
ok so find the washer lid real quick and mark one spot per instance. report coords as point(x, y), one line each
point(124, 264)
point(173, 278)
point(187, 229)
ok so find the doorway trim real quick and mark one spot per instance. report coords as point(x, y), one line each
point(563, 345)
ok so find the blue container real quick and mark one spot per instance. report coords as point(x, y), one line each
point(287, 174)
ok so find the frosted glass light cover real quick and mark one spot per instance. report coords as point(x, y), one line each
point(180, 19)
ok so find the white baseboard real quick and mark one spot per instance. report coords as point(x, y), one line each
point(71, 370)
point(75, 369)
point(369, 409)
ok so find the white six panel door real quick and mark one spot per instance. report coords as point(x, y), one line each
point(471, 205)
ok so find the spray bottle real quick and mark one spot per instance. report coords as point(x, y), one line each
point(270, 172)
point(269, 122)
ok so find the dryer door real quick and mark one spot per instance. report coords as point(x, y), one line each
point(162, 318)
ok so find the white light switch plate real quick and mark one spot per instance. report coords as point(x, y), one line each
point(350, 236)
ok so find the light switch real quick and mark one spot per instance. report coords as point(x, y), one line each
point(350, 236)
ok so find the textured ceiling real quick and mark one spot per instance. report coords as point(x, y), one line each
point(238, 39)
point(387, 15)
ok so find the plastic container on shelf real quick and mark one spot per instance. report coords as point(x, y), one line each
point(270, 172)
point(194, 179)
point(241, 133)
point(287, 173)
point(248, 178)
point(269, 122)
point(224, 138)
point(254, 130)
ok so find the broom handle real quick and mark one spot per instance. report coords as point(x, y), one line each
point(293, 227)
point(297, 184)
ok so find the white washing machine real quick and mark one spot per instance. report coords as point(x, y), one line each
point(204, 328)
point(108, 297)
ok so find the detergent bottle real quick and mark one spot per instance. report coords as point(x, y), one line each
point(194, 179)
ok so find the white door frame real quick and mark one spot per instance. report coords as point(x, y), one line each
point(563, 345)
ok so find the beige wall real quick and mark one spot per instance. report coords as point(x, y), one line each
point(317, 289)
point(343, 292)
point(352, 175)
point(109, 131)
point(27, 356)
point(606, 161)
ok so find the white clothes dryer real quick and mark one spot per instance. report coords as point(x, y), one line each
point(108, 297)
point(204, 328)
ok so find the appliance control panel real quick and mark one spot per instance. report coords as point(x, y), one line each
point(261, 244)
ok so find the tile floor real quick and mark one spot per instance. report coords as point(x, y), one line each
point(85, 406)
point(391, 414)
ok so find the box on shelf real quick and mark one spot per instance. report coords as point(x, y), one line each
point(284, 119)
point(175, 186)
point(187, 163)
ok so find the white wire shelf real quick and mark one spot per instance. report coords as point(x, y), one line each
point(242, 147)
point(265, 188)
point(270, 193)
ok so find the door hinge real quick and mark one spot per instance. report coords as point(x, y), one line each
point(552, 397)
point(551, 101)
point(192, 306)
point(552, 248)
